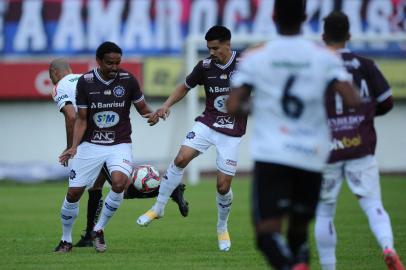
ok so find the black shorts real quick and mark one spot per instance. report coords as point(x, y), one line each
point(279, 190)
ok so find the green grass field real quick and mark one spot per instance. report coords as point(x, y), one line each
point(30, 229)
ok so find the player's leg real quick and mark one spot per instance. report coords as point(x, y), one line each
point(363, 179)
point(270, 202)
point(304, 198)
point(324, 229)
point(194, 144)
point(83, 173)
point(118, 161)
point(227, 158)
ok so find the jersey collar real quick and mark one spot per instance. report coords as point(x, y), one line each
point(101, 79)
point(229, 61)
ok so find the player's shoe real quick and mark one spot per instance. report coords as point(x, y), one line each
point(63, 247)
point(85, 240)
point(224, 240)
point(301, 266)
point(392, 260)
point(98, 241)
point(177, 196)
point(148, 217)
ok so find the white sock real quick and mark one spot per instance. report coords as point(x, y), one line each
point(111, 204)
point(325, 234)
point(223, 209)
point(379, 221)
point(69, 212)
point(169, 182)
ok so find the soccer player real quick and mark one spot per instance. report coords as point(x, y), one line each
point(290, 140)
point(64, 94)
point(215, 126)
point(353, 150)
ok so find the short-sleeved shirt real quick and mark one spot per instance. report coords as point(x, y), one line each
point(216, 81)
point(353, 130)
point(108, 104)
point(64, 92)
point(289, 77)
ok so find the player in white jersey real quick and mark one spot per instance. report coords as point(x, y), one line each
point(354, 161)
point(290, 141)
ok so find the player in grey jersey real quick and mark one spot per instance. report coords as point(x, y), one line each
point(215, 126)
point(353, 150)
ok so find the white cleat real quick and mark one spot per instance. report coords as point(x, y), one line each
point(224, 241)
point(148, 217)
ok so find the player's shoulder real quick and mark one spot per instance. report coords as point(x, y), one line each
point(205, 63)
point(88, 77)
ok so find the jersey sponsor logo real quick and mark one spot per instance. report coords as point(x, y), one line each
point(223, 77)
point(190, 135)
point(224, 122)
point(301, 149)
point(74, 79)
point(119, 91)
point(61, 97)
point(103, 136)
point(101, 105)
point(346, 142)
point(88, 77)
point(106, 119)
point(345, 122)
point(206, 63)
point(220, 103)
point(217, 89)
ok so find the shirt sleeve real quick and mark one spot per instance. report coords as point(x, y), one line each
point(137, 94)
point(195, 77)
point(82, 100)
point(380, 86)
point(61, 96)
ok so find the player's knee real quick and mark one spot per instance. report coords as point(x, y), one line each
point(73, 196)
point(326, 209)
point(181, 161)
point(223, 188)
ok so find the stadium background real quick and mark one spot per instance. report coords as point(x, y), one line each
point(152, 34)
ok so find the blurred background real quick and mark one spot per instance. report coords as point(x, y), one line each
point(161, 41)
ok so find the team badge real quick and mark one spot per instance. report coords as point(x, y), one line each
point(190, 135)
point(119, 91)
point(72, 174)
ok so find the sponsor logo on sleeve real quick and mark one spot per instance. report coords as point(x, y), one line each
point(119, 91)
point(103, 136)
point(61, 97)
point(88, 77)
point(106, 119)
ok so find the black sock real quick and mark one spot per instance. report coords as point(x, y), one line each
point(275, 250)
point(94, 206)
point(297, 240)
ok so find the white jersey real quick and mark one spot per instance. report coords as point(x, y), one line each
point(65, 90)
point(289, 77)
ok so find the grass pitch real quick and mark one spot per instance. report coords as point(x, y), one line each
point(30, 229)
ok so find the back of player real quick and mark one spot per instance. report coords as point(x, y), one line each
point(353, 149)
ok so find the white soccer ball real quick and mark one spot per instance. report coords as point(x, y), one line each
point(146, 178)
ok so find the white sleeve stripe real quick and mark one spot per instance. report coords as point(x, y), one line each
point(187, 85)
point(138, 100)
point(384, 95)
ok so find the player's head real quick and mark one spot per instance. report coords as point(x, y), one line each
point(58, 68)
point(289, 16)
point(336, 28)
point(108, 56)
point(218, 42)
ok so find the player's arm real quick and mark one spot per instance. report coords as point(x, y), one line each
point(177, 95)
point(70, 115)
point(238, 102)
point(381, 90)
point(384, 106)
point(145, 111)
point(349, 95)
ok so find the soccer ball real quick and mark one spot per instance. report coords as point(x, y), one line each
point(146, 178)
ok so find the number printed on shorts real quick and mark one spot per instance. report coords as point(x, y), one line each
point(291, 105)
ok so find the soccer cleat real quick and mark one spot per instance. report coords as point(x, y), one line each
point(85, 240)
point(301, 266)
point(63, 247)
point(224, 241)
point(148, 217)
point(177, 196)
point(98, 241)
point(392, 260)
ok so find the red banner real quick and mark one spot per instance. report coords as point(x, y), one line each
point(30, 80)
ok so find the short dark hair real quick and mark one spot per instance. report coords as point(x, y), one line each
point(336, 27)
point(218, 32)
point(107, 47)
point(290, 13)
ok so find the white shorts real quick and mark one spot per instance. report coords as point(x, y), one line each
point(201, 137)
point(89, 160)
point(362, 176)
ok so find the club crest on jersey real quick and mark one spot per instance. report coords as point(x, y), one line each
point(72, 174)
point(119, 91)
point(190, 135)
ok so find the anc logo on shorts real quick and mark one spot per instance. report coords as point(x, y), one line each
point(190, 135)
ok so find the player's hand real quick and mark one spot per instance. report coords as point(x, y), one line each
point(153, 118)
point(66, 155)
point(163, 112)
